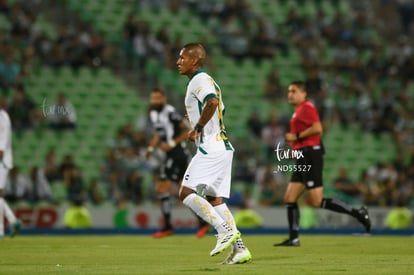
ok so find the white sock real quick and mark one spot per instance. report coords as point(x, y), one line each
point(227, 216)
point(1, 219)
point(206, 211)
point(11, 218)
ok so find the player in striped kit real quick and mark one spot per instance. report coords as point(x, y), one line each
point(169, 133)
point(209, 171)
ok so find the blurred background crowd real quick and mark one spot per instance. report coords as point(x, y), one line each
point(358, 62)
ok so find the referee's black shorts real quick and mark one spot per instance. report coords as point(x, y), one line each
point(309, 167)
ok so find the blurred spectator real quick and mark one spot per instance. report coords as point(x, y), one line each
point(345, 107)
point(146, 45)
point(345, 187)
point(9, 72)
point(40, 188)
point(133, 190)
point(18, 186)
point(261, 44)
point(387, 115)
point(4, 7)
point(97, 53)
point(345, 56)
point(273, 89)
point(208, 9)
point(247, 165)
point(96, 194)
point(131, 161)
point(109, 164)
point(75, 186)
point(370, 189)
point(293, 21)
point(50, 167)
point(406, 10)
point(333, 30)
point(254, 124)
point(237, 45)
point(75, 53)
point(273, 135)
point(309, 32)
point(66, 167)
point(120, 142)
point(61, 115)
point(128, 30)
point(22, 110)
point(405, 189)
point(312, 52)
point(115, 191)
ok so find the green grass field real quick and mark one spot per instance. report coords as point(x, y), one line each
point(184, 254)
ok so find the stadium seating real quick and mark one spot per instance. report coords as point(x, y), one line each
point(104, 102)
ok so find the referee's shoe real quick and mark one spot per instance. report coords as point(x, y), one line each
point(289, 242)
point(364, 218)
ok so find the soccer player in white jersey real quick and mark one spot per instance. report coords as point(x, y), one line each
point(209, 171)
point(6, 163)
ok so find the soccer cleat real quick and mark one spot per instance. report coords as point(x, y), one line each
point(230, 256)
point(289, 242)
point(162, 233)
point(238, 257)
point(364, 218)
point(202, 231)
point(15, 228)
point(224, 240)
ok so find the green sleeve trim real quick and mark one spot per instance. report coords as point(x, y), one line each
point(227, 145)
point(202, 150)
point(208, 97)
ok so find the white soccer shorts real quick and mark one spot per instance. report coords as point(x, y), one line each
point(210, 173)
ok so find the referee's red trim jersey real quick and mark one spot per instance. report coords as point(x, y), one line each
point(304, 116)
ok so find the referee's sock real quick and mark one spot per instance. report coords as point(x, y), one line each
point(339, 206)
point(293, 220)
point(166, 209)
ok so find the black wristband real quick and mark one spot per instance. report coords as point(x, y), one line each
point(198, 128)
point(298, 136)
